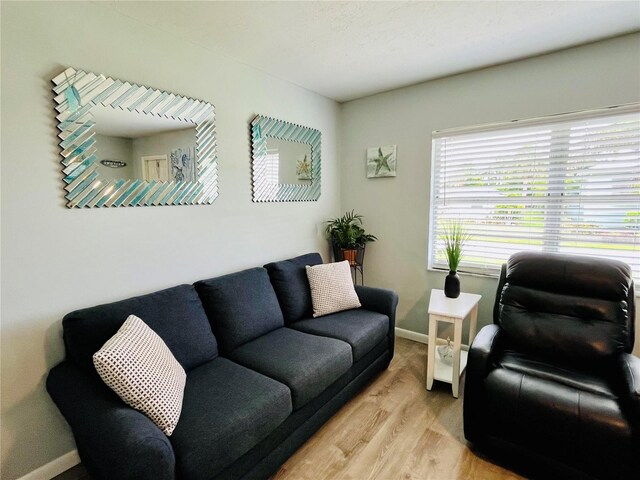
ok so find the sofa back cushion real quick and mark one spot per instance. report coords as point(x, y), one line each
point(175, 314)
point(290, 282)
point(241, 306)
point(564, 306)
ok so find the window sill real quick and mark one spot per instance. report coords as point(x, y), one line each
point(497, 277)
point(466, 274)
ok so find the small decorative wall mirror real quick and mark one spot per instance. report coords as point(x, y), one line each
point(286, 161)
point(129, 145)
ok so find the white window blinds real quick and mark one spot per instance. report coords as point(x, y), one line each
point(566, 184)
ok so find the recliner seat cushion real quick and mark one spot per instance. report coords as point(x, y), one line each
point(590, 379)
point(227, 410)
point(556, 419)
point(362, 329)
point(241, 306)
point(175, 314)
point(306, 363)
point(289, 280)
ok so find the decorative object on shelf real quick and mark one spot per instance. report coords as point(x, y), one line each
point(113, 163)
point(446, 352)
point(348, 239)
point(455, 236)
point(94, 112)
point(286, 161)
point(381, 162)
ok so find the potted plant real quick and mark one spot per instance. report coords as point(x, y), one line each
point(348, 238)
point(455, 236)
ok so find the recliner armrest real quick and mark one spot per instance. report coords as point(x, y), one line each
point(382, 301)
point(630, 366)
point(482, 352)
point(114, 440)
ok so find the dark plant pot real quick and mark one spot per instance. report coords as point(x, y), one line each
point(452, 285)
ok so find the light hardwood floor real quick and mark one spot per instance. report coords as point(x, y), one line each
point(394, 429)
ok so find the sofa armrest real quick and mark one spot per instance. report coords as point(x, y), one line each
point(114, 440)
point(630, 366)
point(381, 301)
point(482, 352)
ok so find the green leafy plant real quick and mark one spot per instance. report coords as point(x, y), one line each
point(347, 231)
point(455, 236)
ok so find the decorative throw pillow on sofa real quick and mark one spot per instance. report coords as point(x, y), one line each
point(137, 365)
point(331, 288)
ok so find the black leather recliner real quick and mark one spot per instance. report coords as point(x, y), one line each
point(553, 380)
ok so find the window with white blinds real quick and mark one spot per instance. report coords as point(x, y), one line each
point(272, 166)
point(566, 184)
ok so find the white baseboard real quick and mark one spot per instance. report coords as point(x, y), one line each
point(411, 335)
point(54, 467)
point(420, 337)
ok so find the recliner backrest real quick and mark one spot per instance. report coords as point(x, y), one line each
point(566, 306)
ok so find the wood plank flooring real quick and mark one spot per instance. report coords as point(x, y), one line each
point(394, 429)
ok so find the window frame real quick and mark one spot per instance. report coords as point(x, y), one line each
point(487, 270)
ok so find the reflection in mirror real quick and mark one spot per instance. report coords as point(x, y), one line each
point(127, 145)
point(286, 161)
point(132, 146)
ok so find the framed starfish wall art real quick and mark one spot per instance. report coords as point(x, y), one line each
point(381, 161)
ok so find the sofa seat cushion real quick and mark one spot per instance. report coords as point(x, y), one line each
point(306, 363)
point(289, 280)
point(362, 329)
point(227, 410)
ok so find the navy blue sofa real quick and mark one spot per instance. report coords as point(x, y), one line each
point(262, 374)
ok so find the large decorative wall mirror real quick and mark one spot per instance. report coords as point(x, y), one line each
point(286, 161)
point(129, 145)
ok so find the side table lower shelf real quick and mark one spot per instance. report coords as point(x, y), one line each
point(444, 372)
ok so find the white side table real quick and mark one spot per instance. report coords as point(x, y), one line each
point(450, 310)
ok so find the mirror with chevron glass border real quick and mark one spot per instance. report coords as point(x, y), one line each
point(286, 161)
point(124, 144)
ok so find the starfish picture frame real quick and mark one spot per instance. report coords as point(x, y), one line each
point(381, 161)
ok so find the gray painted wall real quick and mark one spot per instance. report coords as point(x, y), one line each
point(55, 260)
point(396, 209)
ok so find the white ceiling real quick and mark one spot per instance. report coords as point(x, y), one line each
point(346, 50)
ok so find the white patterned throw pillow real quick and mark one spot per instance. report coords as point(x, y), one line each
point(331, 288)
point(137, 365)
